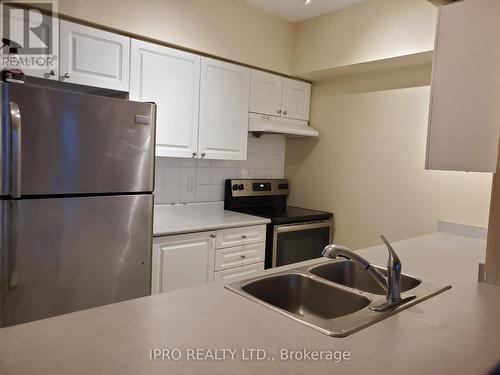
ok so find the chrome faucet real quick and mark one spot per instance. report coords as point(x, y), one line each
point(391, 284)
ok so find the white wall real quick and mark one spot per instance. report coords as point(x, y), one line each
point(190, 180)
point(226, 28)
point(368, 164)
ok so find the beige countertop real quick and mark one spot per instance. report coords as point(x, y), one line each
point(197, 217)
point(456, 332)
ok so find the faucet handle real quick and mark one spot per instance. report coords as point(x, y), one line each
point(393, 262)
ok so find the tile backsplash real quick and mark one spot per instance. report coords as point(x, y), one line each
point(196, 180)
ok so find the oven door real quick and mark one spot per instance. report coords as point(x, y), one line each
point(294, 243)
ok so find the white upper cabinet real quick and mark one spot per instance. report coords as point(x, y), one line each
point(266, 90)
point(93, 57)
point(296, 99)
point(274, 95)
point(224, 103)
point(171, 79)
point(464, 118)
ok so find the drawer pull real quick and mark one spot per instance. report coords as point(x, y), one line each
point(244, 236)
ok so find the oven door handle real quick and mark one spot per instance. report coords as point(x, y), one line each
point(303, 226)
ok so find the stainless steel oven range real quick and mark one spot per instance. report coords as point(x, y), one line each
point(294, 234)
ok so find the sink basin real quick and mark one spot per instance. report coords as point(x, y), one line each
point(333, 297)
point(303, 296)
point(350, 274)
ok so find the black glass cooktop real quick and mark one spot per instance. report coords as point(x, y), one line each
point(286, 214)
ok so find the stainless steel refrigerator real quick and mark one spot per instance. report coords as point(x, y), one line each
point(76, 182)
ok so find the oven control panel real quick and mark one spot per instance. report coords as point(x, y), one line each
point(255, 187)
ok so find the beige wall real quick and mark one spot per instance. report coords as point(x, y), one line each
point(225, 28)
point(373, 30)
point(368, 163)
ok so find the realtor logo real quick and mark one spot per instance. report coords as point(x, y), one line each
point(28, 26)
point(30, 32)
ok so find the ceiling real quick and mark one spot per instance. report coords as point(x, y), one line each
point(296, 10)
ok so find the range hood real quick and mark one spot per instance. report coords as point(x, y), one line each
point(263, 124)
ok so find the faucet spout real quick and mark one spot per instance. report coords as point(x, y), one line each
point(333, 251)
point(391, 284)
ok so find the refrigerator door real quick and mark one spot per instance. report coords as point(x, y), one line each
point(62, 142)
point(3, 253)
point(67, 254)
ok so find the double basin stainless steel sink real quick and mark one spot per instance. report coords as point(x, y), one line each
point(333, 297)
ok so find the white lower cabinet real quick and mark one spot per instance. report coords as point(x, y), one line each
point(239, 272)
point(239, 252)
point(183, 260)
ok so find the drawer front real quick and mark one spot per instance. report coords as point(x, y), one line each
point(239, 272)
point(240, 236)
point(239, 256)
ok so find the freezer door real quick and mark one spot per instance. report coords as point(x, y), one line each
point(65, 142)
point(68, 254)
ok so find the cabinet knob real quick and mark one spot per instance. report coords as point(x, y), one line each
point(213, 235)
point(203, 154)
point(243, 256)
point(50, 73)
point(279, 111)
point(194, 154)
point(285, 113)
point(67, 75)
point(244, 236)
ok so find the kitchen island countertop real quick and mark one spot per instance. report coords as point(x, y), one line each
point(455, 332)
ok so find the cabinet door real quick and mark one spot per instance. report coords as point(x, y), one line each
point(181, 261)
point(94, 57)
point(47, 29)
point(266, 91)
point(464, 113)
point(224, 101)
point(296, 98)
point(171, 79)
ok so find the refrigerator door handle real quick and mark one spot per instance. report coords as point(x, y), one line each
point(11, 249)
point(15, 123)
